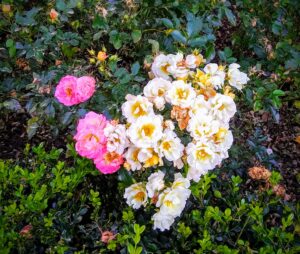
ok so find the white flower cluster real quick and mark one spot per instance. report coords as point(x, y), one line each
point(170, 201)
point(201, 101)
point(151, 138)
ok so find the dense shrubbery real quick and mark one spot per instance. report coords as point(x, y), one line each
point(56, 202)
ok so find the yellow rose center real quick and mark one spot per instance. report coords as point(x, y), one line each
point(147, 130)
point(135, 154)
point(220, 135)
point(91, 136)
point(182, 94)
point(160, 92)
point(140, 196)
point(137, 110)
point(164, 68)
point(168, 203)
point(69, 91)
point(166, 145)
point(202, 155)
point(222, 107)
point(109, 157)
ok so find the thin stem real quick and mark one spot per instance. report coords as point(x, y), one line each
point(246, 222)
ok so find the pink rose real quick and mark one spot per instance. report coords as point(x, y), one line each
point(85, 88)
point(66, 91)
point(71, 90)
point(90, 138)
point(92, 120)
point(109, 162)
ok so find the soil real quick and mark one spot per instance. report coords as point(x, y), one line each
point(280, 141)
point(13, 136)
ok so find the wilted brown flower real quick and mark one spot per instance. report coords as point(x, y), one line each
point(107, 236)
point(181, 115)
point(44, 90)
point(147, 65)
point(25, 231)
point(58, 62)
point(129, 3)
point(297, 139)
point(279, 190)
point(23, 64)
point(151, 75)
point(259, 173)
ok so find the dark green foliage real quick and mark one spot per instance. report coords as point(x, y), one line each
point(68, 204)
point(64, 198)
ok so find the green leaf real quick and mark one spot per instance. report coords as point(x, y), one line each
point(136, 35)
point(155, 46)
point(278, 92)
point(217, 194)
point(135, 68)
point(32, 125)
point(61, 5)
point(167, 22)
point(27, 18)
point(230, 16)
point(66, 118)
point(12, 51)
point(136, 228)
point(12, 104)
point(138, 250)
point(194, 25)
point(227, 212)
point(210, 52)
point(228, 52)
point(177, 36)
point(137, 239)
point(9, 43)
point(142, 229)
point(130, 248)
point(99, 23)
point(114, 38)
point(124, 176)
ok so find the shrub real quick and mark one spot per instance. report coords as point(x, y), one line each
point(56, 202)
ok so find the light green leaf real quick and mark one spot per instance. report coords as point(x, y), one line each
point(136, 35)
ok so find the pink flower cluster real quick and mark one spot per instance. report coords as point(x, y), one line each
point(91, 143)
point(72, 90)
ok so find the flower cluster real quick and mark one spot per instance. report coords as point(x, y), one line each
point(102, 141)
point(72, 90)
point(185, 100)
point(169, 200)
point(201, 101)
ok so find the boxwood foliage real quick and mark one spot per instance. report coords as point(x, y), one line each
point(57, 202)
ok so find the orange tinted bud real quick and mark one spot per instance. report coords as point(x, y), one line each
point(107, 236)
point(101, 56)
point(25, 231)
point(6, 8)
point(58, 62)
point(53, 15)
